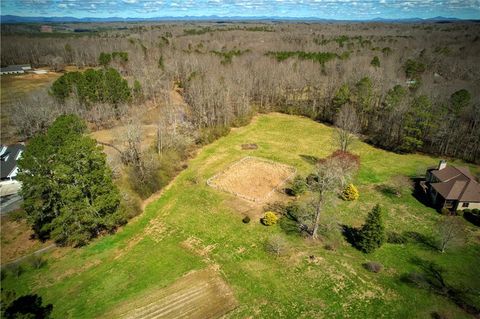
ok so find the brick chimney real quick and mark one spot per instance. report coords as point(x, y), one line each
point(442, 164)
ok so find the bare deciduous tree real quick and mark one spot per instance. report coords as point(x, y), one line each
point(450, 232)
point(347, 125)
point(324, 183)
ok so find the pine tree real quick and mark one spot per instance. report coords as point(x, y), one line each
point(350, 193)
point(67, 188)
point(372, 233)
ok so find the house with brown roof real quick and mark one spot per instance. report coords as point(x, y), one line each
point(454, 188)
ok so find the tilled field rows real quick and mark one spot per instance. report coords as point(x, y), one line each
point(200, 294)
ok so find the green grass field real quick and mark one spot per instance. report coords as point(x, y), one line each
point(150, 252)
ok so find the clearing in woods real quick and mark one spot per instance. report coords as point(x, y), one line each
point(251, 178)
point(198, 294)
point(192, 226)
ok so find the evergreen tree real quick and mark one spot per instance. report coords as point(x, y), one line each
point(92, 86)
point(137, 90)
point(364, 100)
point(104, 59)
point(28, 306)
point(459, 101)
point(416, 124)
point(341, 97)
point(67, 188)
point(372, 233)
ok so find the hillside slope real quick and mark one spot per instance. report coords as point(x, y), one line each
point(193, 226)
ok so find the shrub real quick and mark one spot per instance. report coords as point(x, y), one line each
point(333, 244)
point(145, 177)
point(246, 220)
point(17, 215)
point(210, 134)
point(373, 266)
point(276, 245)
point(350, 193)
point(36, 261)
point(269, 219)
point(277, 207)
point(473, 216)
point(396, 238)
point(375, 62)
point(299, 186)
point(15, 269)
point(445, 211)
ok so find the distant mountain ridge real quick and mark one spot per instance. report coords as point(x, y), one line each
point(20, 19)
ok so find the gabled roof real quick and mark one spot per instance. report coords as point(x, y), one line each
point(456, 184)
point(448, 173)
point(8, 159)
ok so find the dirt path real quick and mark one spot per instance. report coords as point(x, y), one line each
point(38, 252)
point(199, 294)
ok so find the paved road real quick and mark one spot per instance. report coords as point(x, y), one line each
point(10, 203)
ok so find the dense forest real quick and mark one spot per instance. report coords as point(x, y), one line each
point(414, 87)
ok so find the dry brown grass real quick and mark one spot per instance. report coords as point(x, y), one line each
point(253, 179)
point(16, 240)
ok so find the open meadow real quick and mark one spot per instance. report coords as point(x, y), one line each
point(193, 227)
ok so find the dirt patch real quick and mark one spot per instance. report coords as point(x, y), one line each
point(253, 179)
point(199, 294)
point(249, 146)
point(16, 240)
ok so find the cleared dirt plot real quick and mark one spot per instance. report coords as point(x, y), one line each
point(197, 295)
point(251, 178)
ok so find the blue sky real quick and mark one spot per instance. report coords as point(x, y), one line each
point(331, 9)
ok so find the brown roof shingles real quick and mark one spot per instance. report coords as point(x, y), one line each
point(457, 184)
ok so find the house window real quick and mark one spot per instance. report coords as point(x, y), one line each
point(464, 204)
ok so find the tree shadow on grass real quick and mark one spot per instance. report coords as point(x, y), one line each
point(419, 193)
point(351, 234)
point(431, 277)
point(424, 240)
point(388, 190)
point(310, 159)
point(289, 226)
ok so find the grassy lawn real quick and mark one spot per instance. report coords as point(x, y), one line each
point(193, 226)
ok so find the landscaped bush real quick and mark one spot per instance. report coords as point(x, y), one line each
point(269, 219)
point(276, 245)
point(350, 193)
point(246, 220)
point(396, 238)
point(473, 216)
point(373, 266)
point(299, 186)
